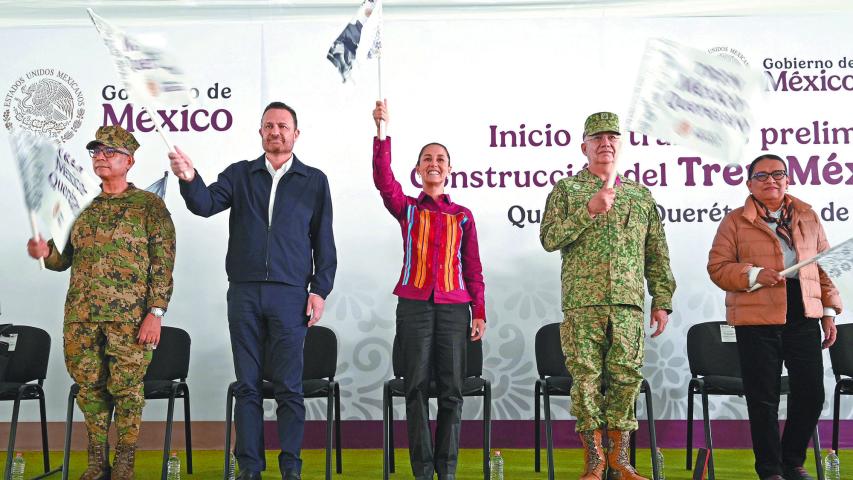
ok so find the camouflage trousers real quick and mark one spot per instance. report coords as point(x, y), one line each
point(604, 342)
point(105, 360)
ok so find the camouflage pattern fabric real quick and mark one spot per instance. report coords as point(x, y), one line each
point(108, 364)
point(601, 122)
point(121, 254)
point(114, 136)
point(606, 259)
point(614, 334)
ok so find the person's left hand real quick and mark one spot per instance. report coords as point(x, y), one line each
point(314, 309)
point(829, 331)
point(149, 331)
point(478, 328)
point(659, 317)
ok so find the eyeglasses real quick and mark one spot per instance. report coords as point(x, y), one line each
point(109, 152)
point(599, 137)
point(763, 176)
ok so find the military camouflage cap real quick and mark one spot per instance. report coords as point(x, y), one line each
point(601, 122)
point(114, 136)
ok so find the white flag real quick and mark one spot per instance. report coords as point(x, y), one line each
point(56, 187)
point(150, 77)
point(838, 260)
point(365, 26)
point(688, 97)
point(159, 187)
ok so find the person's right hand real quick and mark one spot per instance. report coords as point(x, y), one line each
point(37, 248)
point(769, 277)
point(601, 202)
point(380, 113)
point(181, 165)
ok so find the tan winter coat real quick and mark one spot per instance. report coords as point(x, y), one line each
point(744, 240)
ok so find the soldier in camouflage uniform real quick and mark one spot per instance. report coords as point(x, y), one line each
point(611, 239)
point(121, 253)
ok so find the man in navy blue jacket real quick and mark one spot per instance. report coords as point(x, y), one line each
point(281, 265)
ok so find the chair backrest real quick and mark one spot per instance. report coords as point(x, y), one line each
point(550, 360)
point(708, 354)
point(32, 351)
point(473, 359)
point(320, 355)
point(171, 359)
point(841, 353)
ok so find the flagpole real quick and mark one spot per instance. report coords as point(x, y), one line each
point(36, 236)
point(169, 144)
point(381, 122)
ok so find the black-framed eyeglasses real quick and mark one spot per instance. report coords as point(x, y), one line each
point(109, 152)
point(763, 176)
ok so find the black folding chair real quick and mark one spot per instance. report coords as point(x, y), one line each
point(474, 385)
point(26, 352)
point(165, 379)
point(715, 370)
point(320, 363)
point(841, 355)
point(555, 380)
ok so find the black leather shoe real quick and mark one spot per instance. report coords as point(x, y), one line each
point(249, 476)
point(292, 476)
point(796, 473)
point(774, 477)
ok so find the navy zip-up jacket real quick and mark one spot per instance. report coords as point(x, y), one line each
point(298, 248)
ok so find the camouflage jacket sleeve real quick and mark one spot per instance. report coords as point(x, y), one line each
point(658, 273)
point(161, 252)
point(56, 261)
point(563, 221)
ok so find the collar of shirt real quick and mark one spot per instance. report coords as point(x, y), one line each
point(444, 199)
point(131, 188)
point(282, 170)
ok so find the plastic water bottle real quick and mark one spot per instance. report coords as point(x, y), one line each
point(232, 466)
point(832, 466)
point(661, 475)
point(497, 466)
point(18, 467)
point(173, 467)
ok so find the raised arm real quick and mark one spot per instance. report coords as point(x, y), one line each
point(383, 176)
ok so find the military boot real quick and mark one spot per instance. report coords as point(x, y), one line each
point(593, 455)
point(99, 467)
point(123, 465)
point(618, 460)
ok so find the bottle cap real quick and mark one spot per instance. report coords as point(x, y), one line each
point(174, 453)
point(19, 454)
point(498, 453)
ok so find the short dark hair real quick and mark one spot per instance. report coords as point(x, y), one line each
point(282, 106)
point(429, 145)
point(766, 156)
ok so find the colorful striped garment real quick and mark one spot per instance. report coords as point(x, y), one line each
point(440, 253)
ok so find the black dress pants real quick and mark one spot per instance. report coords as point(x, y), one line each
point(762, 351)
point(433, 339)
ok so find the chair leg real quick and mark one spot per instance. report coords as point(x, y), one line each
point(10, 450)
point(537, 442)
point(69, 422)
point(487, 429)
point(386, 431)
point(188, 430)
point(44, 447)
point(689, 428)
point(338, 447)
point(167, 442)
point(330, 418)
point(650, 418)
point(817, 459)
point(836, 414)
point(709, 444)
point(549, 433)
point(229, 410)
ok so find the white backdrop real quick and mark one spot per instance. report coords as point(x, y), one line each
point(454, 80)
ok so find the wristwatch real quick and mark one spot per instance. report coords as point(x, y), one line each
point(157, 312)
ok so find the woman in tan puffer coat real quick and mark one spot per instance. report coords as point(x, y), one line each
point(780, 321)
